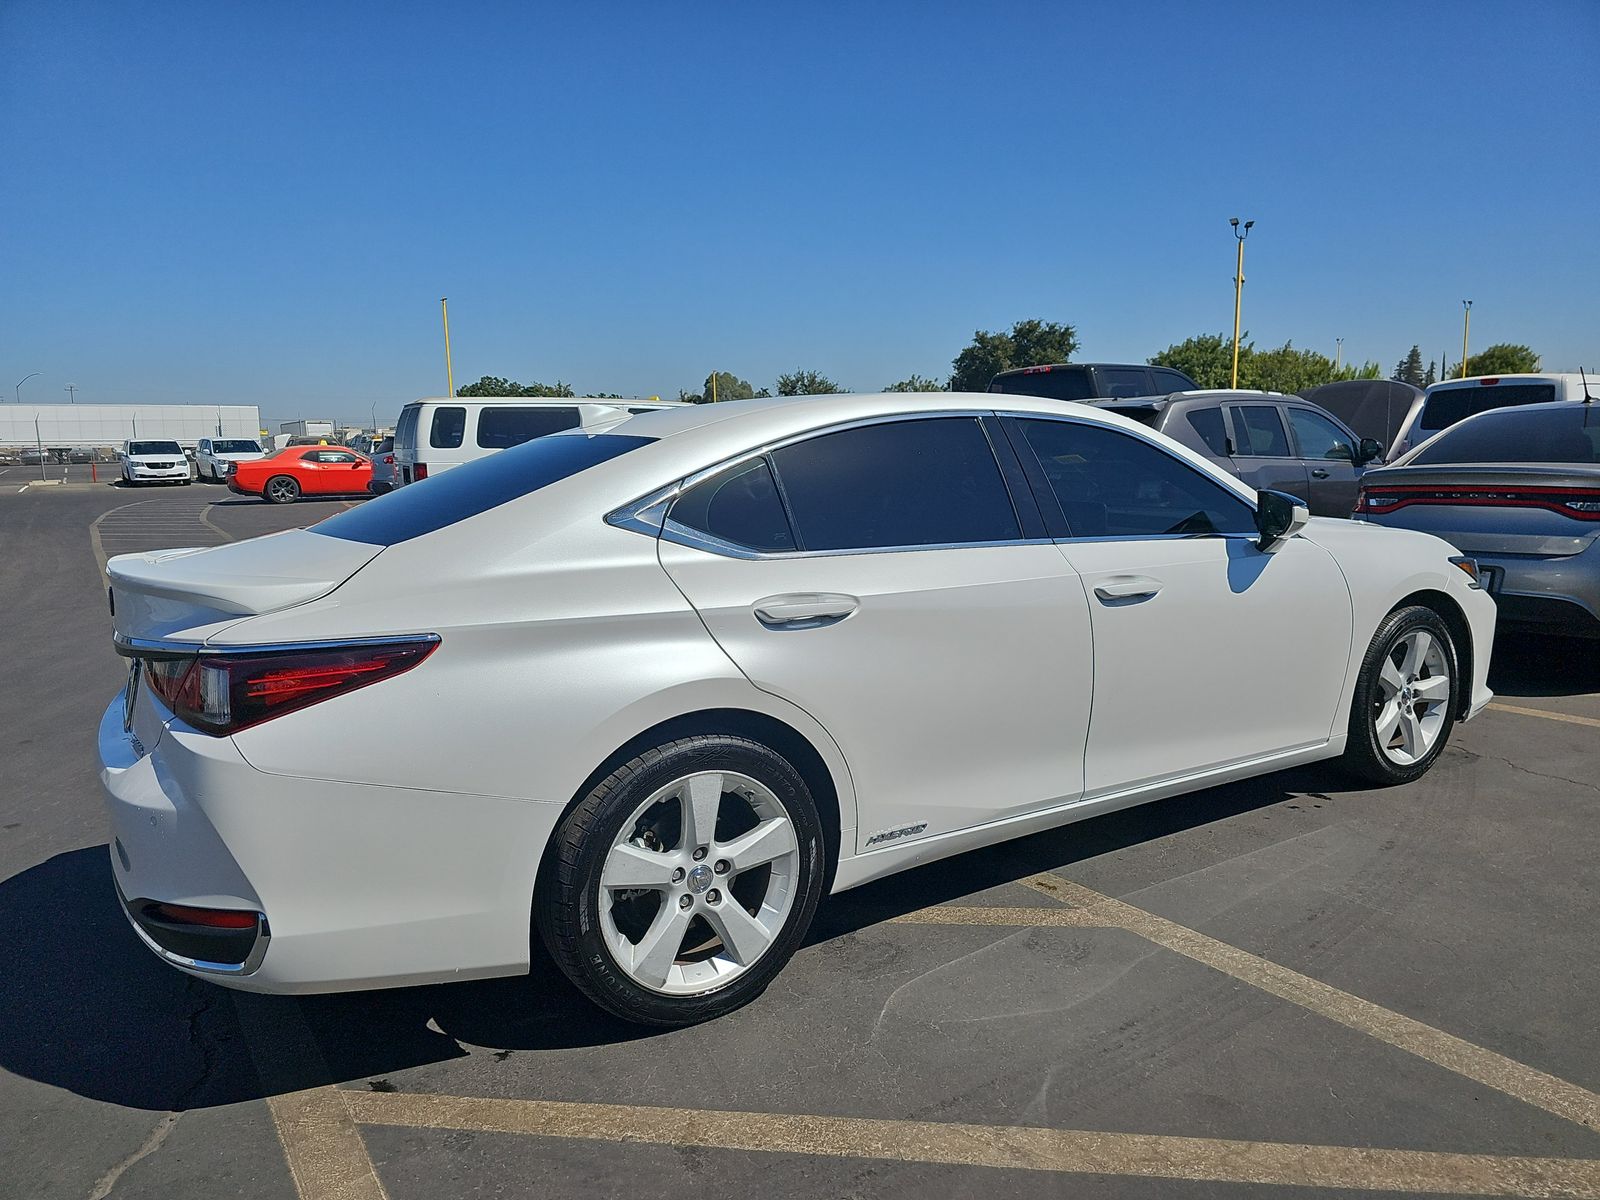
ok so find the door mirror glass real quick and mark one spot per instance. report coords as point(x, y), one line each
point(1371, 451)
point(1279, 516)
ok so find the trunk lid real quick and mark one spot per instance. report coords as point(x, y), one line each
point(1544, 510)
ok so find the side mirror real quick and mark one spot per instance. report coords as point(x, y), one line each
point(1371, 451)
point(1279, 516)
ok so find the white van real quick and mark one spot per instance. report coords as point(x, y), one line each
point(435, 435)
point(1445, 403)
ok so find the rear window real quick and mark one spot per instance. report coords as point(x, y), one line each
point(1056, 383)
point(502, 428)
point(405, 431)
point(154, 448)
point(1563, 435)
point(473, 488)
point(1445, 407)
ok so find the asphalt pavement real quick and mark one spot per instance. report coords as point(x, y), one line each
point(1289, 986)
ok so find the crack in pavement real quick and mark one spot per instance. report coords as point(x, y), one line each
point(1541, 775)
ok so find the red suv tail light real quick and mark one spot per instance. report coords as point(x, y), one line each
point(224, 693)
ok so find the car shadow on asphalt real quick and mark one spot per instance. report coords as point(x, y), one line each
point(85, 1007)
point(1531, 665)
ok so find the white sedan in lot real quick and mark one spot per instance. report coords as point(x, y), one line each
point(653, 689)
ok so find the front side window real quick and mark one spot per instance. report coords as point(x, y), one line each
point(741, 506)
point(1320, 437)
point(502, 428)
point(902, 483)
point(1259, 431)
point(1207, 422)
point(1115, 484)
point(1170, 381)
point(449, 427)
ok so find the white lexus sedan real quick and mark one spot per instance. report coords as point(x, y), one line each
point(653, 689)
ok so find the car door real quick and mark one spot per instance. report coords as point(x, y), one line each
point(892, 590)
point(1262, 454)
point(1207, 650)
point(1329, 452)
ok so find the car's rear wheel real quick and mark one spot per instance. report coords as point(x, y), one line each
point(281, 489)
point(678, 888)
point(1405, 700)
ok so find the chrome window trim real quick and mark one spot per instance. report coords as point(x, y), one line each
point(159, 648)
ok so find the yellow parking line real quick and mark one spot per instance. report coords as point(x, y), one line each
point(1570, 718)
point(1014, 917)
point(1454, 1054)
point(1015, 1147)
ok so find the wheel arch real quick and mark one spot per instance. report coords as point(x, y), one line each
point(1460, 631)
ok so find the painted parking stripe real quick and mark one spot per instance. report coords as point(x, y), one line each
point(1454, 1054)
point(1092, 1152)
point(1547, 714)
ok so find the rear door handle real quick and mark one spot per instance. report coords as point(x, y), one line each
point(1319, 473)
point(1127, 587)
point(804, 608)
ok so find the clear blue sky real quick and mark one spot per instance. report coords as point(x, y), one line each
point(263, 203)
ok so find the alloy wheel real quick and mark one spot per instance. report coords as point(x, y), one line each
point(1413, 697)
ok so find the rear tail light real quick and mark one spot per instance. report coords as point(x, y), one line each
point(224, 693)
point(389, 459)
point(1582, 503)
point(210, 918)
point(420, 471)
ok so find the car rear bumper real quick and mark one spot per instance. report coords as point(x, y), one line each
point(356, 885)
point(1546, 595)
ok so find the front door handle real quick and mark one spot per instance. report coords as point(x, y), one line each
point(1127, 587)
point(809, 609)
point(1319, 473)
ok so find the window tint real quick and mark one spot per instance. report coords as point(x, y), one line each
point(235, 446)
point(1207, 423)
point(333, 456)
point(1320, 437)
point(1115, 484)
point(449, 426)
point(500, 428)
point(473, 488)
point(1053, 383)
point(1559, 435)
point(1445, 407)
point(1259, 432)
point(904, 483)
point(154, 448)
point(405, 430)
point(1170, 381)
point(741, 506)
point(1124, 381)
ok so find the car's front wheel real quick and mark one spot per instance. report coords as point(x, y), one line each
point(682, 883)
point(1405, 700)
point(281, 489)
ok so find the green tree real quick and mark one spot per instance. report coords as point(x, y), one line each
point(1409, 369)
point(1206, 358)
point(1503, 358)
point(1030, 343)
point(916, 383)
point(807, 383)
point(729, 387)
point(494, 385)
point(1432, 377)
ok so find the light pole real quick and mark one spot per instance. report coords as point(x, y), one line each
point(449, 371)
point(1338, 353)
point(1466, 324)
point(72, 393)
point(1238, 291)
point(22, 381)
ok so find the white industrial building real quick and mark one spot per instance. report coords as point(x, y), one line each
point(68, 426)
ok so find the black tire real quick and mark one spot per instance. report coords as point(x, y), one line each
point(1363, 756)
point(281, 489)
point(567, 906)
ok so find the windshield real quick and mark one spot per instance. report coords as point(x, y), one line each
point(153, 448)
point(235, 446)
point(1446, 406)
point(1551, 435)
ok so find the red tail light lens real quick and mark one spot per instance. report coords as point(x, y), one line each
point(389, 459)
point(211, 918)
point(224, 693)
point(1581, 503)
point(420, 471)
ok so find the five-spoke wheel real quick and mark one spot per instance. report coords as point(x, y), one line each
point(1405, 698)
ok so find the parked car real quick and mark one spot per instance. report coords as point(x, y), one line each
point(80, 454)
point(284, 476)
point(32, 456)
point(1443, 404)
point(1518, 489)
point(382, 468)
point(1091, 381)
point(212, 456)
point(1267, 439)
point(154, 462)
point(666, 683)
point(433, 436)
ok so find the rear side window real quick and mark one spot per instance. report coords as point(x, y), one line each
point(1259, 430)
point(405, 430)
point(740, 506)
point(902, 483)
point(501, 428)
point(1445, 407)
point(449, 427)
point(1124, 381)
point(1114, 484)
point(1207, 422)
point(473, 488)
point(1058, 383)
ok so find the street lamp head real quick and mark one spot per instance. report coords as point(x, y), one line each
point(1247, 224)
point(1234, 221)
